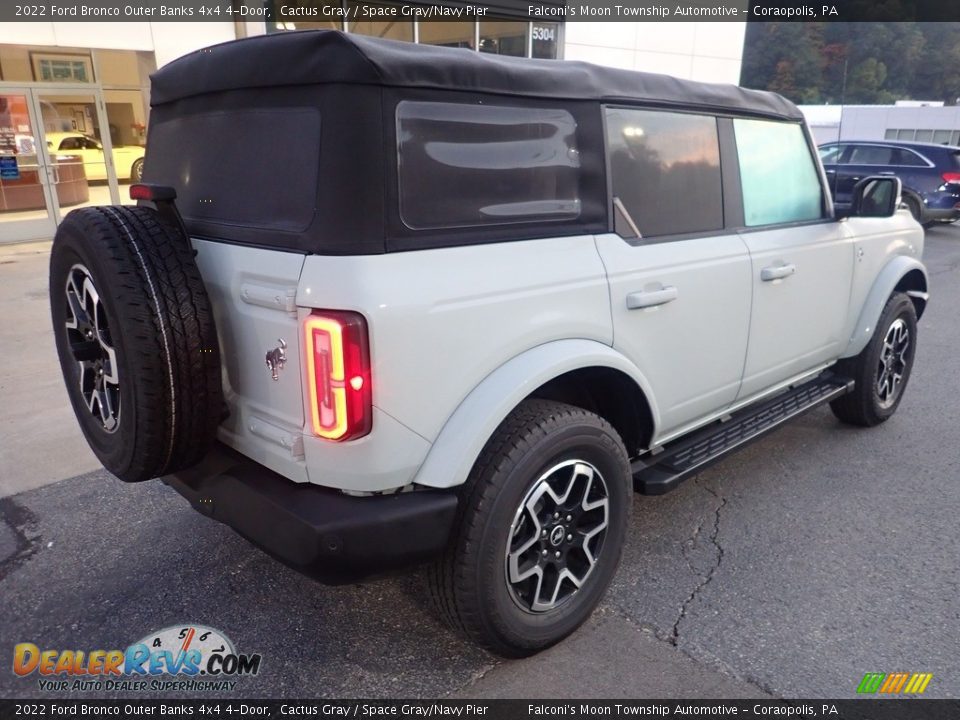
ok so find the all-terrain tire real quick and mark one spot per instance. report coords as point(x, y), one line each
point(470, 584)
point(866, 406)
point(136, 339)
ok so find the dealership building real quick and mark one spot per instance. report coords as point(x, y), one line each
point(74, 96)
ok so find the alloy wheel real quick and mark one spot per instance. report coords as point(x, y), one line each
point(557, 536)
point(91, 344)
point(893, 362)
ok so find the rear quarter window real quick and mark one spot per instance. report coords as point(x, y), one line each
point(464, 165)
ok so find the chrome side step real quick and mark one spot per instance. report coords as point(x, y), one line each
point(660, 473)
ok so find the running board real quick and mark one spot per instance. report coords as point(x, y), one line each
point(662, 472)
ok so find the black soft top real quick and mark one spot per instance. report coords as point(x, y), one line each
point(318, 57)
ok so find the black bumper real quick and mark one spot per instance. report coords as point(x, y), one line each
point(333, 537)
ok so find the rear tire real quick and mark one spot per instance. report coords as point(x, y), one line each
point(505, 578)
point(881, 371)
point(136, 170)
point(136, 340)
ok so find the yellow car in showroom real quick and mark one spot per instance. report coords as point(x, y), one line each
point(127, 159)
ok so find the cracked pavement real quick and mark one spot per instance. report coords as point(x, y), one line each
point(791, 568)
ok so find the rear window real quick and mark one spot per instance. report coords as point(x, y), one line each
point(252, 168)
point(479, 165)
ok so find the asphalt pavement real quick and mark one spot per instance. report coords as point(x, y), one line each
point(790, 569)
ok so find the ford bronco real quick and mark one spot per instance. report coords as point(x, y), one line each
point(383, 304)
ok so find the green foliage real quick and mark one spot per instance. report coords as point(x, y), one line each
point(869, 63)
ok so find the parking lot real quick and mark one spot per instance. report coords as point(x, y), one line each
point(790, 569)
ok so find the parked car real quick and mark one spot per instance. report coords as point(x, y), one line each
point(930, 174)
point(463, 307)
point(127, 159)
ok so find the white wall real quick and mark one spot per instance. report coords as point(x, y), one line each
point(870, 122)
point(169, 40)
point(707, 51)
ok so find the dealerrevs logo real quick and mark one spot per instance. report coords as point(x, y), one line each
point(181, 657)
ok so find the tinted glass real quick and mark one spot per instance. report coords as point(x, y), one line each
point(665, 169)
point(256, 168)
point(871, 155)
point(471, 165)
point(906, 158)
point(777, 172)
point(829, 154)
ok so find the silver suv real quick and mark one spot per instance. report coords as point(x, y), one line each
point(383, 304)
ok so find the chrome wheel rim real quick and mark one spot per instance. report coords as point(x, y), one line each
point(91, 344)
point(556, 536)
point(893, 362)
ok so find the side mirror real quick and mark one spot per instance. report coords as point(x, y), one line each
point(876, 196)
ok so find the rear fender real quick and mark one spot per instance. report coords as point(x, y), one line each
point(470, 426)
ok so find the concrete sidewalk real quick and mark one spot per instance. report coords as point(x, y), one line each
point(40, 441)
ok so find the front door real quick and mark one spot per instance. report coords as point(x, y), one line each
point(801, 260)
point(52, 158)
point(27, 203)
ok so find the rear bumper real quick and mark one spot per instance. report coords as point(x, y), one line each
point(333, 537)
point(951, 214)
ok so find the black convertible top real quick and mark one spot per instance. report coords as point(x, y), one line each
point(317, 57)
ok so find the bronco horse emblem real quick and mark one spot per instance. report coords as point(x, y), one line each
point(277, 358)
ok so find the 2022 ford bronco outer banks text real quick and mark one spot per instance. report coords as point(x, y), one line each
point(386, 303)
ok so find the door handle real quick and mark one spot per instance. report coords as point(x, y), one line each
point(777, 272)
point(886, 172)
point(830, 172)
point(651, 298)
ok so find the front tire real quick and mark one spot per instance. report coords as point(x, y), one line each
point(882, 369)
point(540, 529)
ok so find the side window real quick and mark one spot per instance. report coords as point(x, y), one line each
point(70, 143)
point(473, 165)
point(907, 159)
point(829, 154)
point(665, 169)
point(871, 155)
point(777, 172)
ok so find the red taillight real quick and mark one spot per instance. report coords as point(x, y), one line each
point(951, 177)
point(338, 375)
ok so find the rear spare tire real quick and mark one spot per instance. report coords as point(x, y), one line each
point(136, 340)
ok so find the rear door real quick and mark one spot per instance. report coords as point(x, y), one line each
point(680, 286)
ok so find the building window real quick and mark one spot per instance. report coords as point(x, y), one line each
point(497, 36)
point(546, 39)
point(447, 34)
point(390, 29)
point(504, 37)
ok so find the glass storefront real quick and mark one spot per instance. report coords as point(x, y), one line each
point(73, 126)
point(498, 36)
